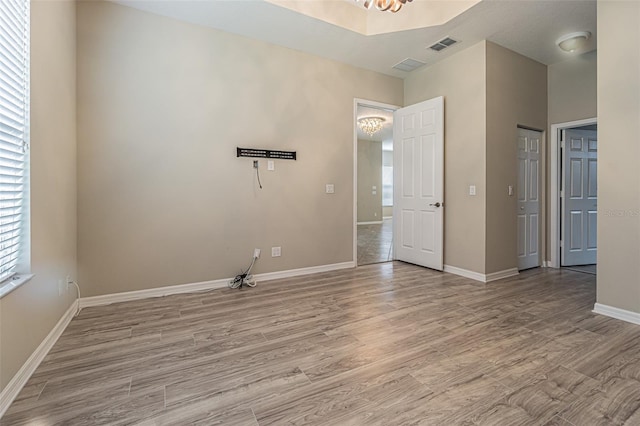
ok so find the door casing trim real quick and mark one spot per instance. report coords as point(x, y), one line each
point(555, 180)
point(366, 103)
point(542, 179)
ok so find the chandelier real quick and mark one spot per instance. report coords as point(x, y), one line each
point(370, 125)
point(384, 5)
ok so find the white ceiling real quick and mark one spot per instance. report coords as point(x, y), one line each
point(529, 27)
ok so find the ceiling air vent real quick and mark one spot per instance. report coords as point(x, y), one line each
point(408, 65)
point(443, 44)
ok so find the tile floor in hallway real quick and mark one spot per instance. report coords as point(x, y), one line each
point(374, 242)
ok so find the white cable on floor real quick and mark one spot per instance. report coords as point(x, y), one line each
point(244, 278)
point(78, 290)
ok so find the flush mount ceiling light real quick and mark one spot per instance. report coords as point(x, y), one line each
point(574, 41)
point(384, 5)
point(370, 125)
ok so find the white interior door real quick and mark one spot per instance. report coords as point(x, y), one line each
point(528, 191)
point(579, 197)
point(418, 183)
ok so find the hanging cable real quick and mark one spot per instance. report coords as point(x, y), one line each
point(258, 176)
point(255, 166)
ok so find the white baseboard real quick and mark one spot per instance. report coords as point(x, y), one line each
point(464, 273)
point(546, 264)
point(617, 313)
point(127, 296)
point(477, 276)
point(370, 223)
point(268, 276)
point(494, 276)
point(13, 388)
point(387, 217)
point(107, 299)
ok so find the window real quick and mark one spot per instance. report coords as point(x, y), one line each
point(387, 178)
point(14, 133)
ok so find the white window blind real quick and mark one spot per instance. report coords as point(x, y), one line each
point(14, 129)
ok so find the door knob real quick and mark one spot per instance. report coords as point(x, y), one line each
point(435, 204)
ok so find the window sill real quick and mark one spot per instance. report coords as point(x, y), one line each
point(14, 282)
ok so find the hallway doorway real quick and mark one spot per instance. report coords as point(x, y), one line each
point(574, 196)
point(373, 205)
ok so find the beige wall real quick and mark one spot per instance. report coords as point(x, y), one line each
point(488, 91)
point(31, 311)
point(572, 87)
point(572, 95)
point(369, 175)
point(162, 105)
point(516, 95)
point(461, 80)
point(619, 150)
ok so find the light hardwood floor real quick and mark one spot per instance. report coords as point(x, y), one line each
point(385, 344)
point(587, 269)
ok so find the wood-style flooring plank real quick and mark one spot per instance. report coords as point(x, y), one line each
point(385, 344)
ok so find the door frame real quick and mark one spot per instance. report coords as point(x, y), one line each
point(556, 181)
point(372, 104)
point(542, 193)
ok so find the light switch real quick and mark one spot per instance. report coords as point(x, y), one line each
point(374, 192)
point(374, 187)
point(271, 165)
point(510, 190)
point(472, 190)
point(329, 188)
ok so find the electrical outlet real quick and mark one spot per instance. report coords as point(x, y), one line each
point(256, 253)
point(271, 165)
point(276, 251)
point(69, 282)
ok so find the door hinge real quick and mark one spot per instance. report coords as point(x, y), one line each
point(562, 193)
point(562, 144)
